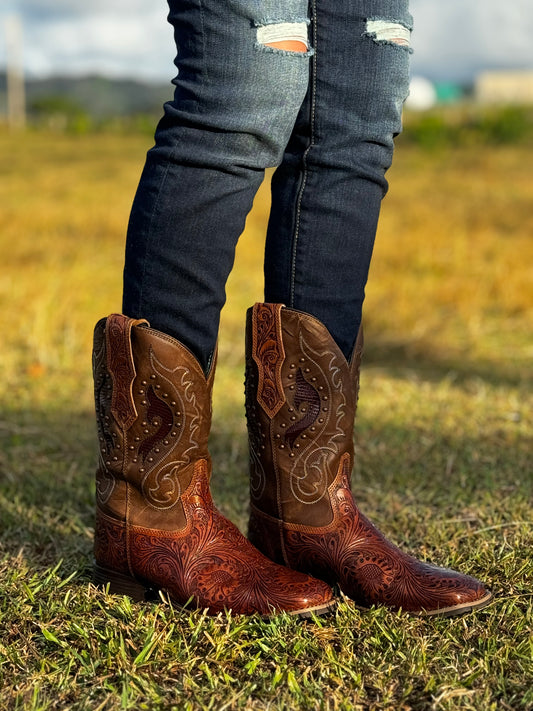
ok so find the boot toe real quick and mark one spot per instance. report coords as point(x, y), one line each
point(316, 597)
point(471, 595)
point(442, 591)
point(279, 589)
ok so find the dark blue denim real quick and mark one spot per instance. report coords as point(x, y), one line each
point(326, 118)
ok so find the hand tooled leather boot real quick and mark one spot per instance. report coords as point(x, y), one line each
point(301, 398)
point(156, 525)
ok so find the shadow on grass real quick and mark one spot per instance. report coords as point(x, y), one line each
point(427, 364)
point(46, 488)
point(47, 462)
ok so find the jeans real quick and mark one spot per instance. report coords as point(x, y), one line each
point(326, 118)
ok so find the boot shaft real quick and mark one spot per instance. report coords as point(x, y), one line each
point(153, 410)
point(156, 526)
point(301, 398)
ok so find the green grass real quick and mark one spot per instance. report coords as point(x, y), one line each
point(444, 442)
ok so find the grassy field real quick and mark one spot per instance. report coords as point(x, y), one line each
point(444, 440)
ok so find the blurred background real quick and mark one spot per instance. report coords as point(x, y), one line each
point(84, 84)
point(87, 62)
point(87, 82)
point(444, 436)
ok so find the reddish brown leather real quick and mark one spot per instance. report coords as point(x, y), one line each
point(268, 354)
point(156, 521)
point(303, 513)
point(295, 454)
point(209, 561)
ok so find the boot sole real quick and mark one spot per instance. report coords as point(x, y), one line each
point(452, 611)
point(309, 612)
point(459, 609)
point(121, 584)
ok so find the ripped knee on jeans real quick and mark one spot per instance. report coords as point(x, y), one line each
point(287, 36)
point(391, 32)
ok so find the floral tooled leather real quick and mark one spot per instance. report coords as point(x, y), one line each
point(121, 368)
point(214, 566)
point(267, 352)
point(326, 535)
point(369, 568)
point(156, 524)
point(110, 546)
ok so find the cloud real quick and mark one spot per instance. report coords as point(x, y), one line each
point(126, 38)
point(457, 38)
point(453, 39)
point(131, 46)
point(70, 9)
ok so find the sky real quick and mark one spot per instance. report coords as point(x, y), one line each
point(453, 39)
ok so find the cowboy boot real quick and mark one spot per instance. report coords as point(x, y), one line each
point(156, 525)
point(301, 398)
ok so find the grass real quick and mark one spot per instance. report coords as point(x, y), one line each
point(444, 440)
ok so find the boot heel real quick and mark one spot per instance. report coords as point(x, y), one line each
point(121, 584)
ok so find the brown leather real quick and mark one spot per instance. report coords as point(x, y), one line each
point(303, 513)
point(156, 522)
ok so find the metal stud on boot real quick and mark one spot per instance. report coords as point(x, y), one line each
point(156, 525)
point(301, 398)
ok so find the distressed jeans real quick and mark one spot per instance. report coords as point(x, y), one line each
point(325, 118)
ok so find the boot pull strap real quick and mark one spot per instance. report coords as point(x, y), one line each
point(121, 367)
point(268, 353)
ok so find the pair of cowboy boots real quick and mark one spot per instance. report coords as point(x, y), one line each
point(156, 525)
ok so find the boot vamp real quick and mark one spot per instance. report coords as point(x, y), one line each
point(378, 572)
point(372, 570)
point(210, 563)
point(214, 566)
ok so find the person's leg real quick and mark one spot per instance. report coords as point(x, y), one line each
point(301, 398)
point(302, 379)
point(238, 92)
point(237, 96)
point(328, 190)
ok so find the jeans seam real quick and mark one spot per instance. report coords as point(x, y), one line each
point(301, 191)
point(149, 242)
point(205, 73)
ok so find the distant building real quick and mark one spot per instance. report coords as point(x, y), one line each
point(504, 87)
point(422, 94)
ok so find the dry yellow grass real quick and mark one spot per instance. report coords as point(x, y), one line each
point(444, 446)
point(451, 285)
point(453, 265)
